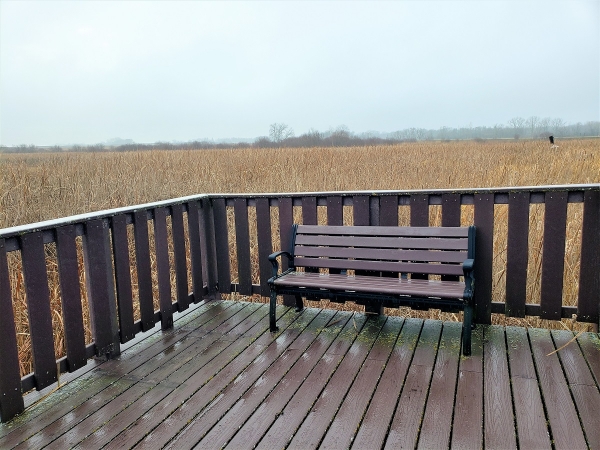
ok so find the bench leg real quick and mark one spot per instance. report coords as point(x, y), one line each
point(467, 329)
point(272, 307)
point(299, 303)
point(374, 308)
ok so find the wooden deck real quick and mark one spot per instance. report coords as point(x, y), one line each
point(328, 379)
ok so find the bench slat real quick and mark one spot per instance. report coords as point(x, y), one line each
point(398, 286)
point(383, 254)
point(379, 266)
point(459, 232)
point(383, 242)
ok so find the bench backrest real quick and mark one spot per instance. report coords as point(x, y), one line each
point(424, 250)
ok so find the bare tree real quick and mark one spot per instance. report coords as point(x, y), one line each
point(533, 123)
point(518, 124)
point(279, 132)
point(557, 126)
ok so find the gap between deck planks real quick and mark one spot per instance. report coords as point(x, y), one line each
point(328, 379)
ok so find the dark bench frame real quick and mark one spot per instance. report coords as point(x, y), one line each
point(378, 255)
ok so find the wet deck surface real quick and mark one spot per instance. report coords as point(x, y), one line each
point(328, 379)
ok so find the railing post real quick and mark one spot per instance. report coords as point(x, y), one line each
point(484, 254)
point(588, 304)
point(11, 399)
point(101, 289)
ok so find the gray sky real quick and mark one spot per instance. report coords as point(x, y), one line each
point(85, 72)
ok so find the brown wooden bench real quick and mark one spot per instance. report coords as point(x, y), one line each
point(380, 266)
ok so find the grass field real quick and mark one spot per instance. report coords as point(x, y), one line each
point(36, 187)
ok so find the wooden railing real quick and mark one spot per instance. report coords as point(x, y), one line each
point(201, 247)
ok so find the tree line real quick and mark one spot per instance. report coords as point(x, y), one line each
point(282, 135)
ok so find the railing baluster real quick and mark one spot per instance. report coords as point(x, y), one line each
point(286, 220)
point(123, 277)
point(144, 272)
point(335, 216)
point(517, 254)
point(163, 268)
point(11, 400)
point(100, 288)
point(553, 256)
point(265, 244)
point(450, 218)
point(388, 211)
point(242, 241)
point(451, 210)
point(588, 307)
point(195, 250)
point(484, 255)
point(222, 245)
point(309, 210)
point(209, 248)
point(419, 217)
point(360, 210)
point(39, 313)
point(309, 217)
point(181, 278)
point(419, 210)
point(68, 270)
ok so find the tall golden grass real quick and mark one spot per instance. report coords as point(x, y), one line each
point(36, 187)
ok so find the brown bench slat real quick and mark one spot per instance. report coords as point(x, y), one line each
point(379, 266)
point(381, 254)
point(396, 286)
point(383, 242)
point(459, 232)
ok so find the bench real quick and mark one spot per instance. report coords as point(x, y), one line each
point(379, 267)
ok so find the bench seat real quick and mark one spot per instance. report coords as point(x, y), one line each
point(340, 283)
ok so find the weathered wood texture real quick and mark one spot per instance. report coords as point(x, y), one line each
point(328, 379)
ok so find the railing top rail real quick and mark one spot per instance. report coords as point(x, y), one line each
point(545, 188)
point(54, 223)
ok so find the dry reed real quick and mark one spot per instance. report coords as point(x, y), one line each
point(38, 187)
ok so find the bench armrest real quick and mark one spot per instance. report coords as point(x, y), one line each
point(273, 260)
point(468, 265)
point(469, 278)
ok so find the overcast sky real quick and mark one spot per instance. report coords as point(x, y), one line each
point(86, 72)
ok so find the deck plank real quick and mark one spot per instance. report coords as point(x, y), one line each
point(171, 358)
point(581, 383)
point(208, 413)
point(299, 357)
point(327, 379)
point(374, 427)
point(404, 429)
point(273, 405)
point(281, 431)
point(70, 397)
point(346, 422)
point(590, 347)
point(530, 418)
point(323, 411)
point(188, 361)
point(437, 421)
point(467, 429)
point(499, 416)
point(162, 422)
point(562, 414)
